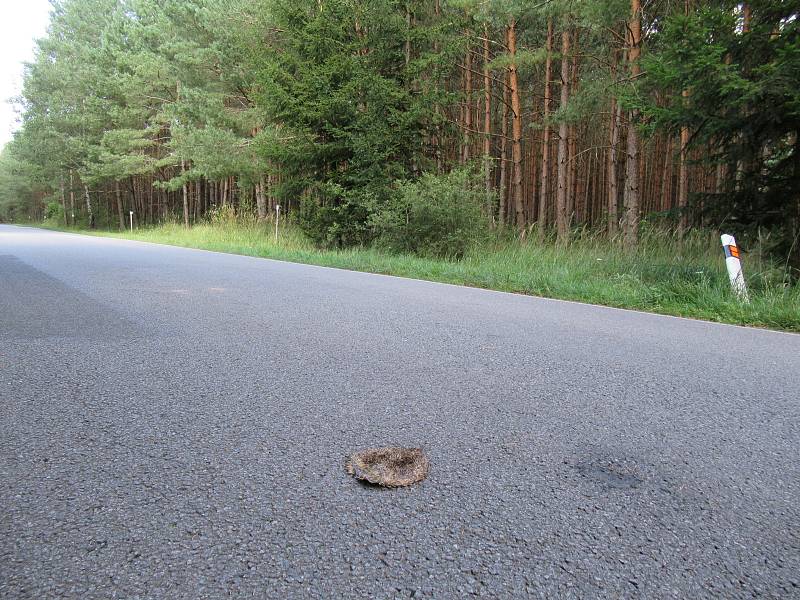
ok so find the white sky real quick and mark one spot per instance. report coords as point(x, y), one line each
point(21, 22)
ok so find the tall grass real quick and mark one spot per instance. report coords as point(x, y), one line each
point(668, 275)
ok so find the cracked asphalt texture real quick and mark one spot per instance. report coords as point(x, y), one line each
point(174, 424)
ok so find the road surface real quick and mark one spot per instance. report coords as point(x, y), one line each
point(174, 424)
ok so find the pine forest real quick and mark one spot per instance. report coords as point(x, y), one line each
point(415, 125)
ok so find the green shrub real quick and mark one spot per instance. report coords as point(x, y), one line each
point(437, 216)
point(339, 219)
point(53, 211)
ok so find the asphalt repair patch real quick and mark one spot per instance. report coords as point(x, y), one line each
point(611, 474)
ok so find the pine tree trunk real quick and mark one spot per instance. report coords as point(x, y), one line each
point(120, 211)
point(569, 209)
point(563, 132)
point(261, 199)
point(632, 158)
point(487, 113)
point(531, 180)
point(583, 210)
point(72, 197)
point(719, 179)
point(631, 196)
point(548, 71)
point(89, 211)
point(613, 192)
point(198, 201)
point(504, 156)
point(572, 163)
point(134, 194)
point(185, 196)
point(683, 169)
point(516, 127)
point(596, 166)
point(465, 149)
point(63, 198)
point(150, 201)
point(666, 178)
point(683, 176)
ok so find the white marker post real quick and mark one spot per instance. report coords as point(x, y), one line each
point(131, 221)
point(277, 218)
point(734, 267)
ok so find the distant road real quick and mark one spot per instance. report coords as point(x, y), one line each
point(174, 423)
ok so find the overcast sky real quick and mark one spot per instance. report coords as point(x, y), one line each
point(21, 22)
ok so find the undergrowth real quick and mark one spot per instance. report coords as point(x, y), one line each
point(668, 275)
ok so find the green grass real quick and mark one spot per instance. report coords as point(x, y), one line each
point(685, 279)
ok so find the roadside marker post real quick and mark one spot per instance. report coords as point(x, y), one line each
point(734, 266)
point(131, 221)
point(277, 218)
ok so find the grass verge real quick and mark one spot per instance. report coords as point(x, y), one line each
point(686, 279)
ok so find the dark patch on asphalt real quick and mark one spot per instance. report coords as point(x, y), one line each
point(610, 474)
point(34, 305)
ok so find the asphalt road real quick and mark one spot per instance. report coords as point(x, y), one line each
point(174, 424)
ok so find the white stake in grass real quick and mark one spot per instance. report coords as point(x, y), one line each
point(734, 267)
point(131, 221)
point(277, 218)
